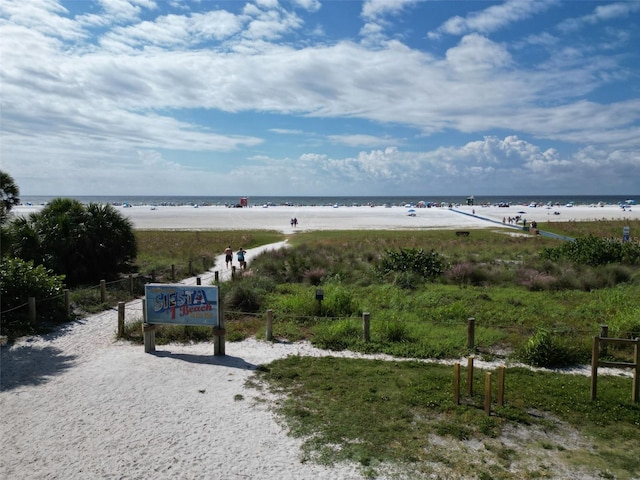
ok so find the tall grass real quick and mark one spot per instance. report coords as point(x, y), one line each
point(158, 250)
point(498, 279)
point(512, 294)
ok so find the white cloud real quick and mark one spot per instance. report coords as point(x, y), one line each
point(361, 140)
point(286, 131)
point(493, 18)
point(309, 5)
point(125, 10)
point(378, 15)
point(270, 24)
point(514, 164)
point(176, 30)
point(602, 13)
point(372, 9)
point(47, 17)
point(476, 53)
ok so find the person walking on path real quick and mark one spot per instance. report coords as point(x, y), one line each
point(228, 256)
point(241, 260)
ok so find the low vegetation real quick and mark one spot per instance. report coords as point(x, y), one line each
point(531, 303)
point(399, 418)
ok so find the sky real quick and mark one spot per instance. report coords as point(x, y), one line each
point(315, 97)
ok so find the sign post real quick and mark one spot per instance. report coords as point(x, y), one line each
point(185, 305)
point(626, 231)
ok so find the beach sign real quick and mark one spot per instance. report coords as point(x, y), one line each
point(626, 233)
point(182, 304)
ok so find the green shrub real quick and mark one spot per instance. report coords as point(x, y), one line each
point(243, 298)
point(594, 251)
point(427, 265)
point(396, 332)
point(293, 300)
point(407, 280)
point(339, 301)
point(20, 280)
point(545, 349)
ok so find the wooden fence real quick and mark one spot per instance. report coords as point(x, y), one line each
point(601, 341)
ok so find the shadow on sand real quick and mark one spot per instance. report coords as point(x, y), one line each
point(26, 365)
point(223, 360)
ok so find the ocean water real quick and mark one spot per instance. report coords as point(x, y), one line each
point(338, 200)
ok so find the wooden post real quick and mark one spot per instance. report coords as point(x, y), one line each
point(120, 319)
point(67, 302)
point(173, 272)
point(233, 272)
point(471, 333)
point(131, 284)
point(635, 394)
point(501, 373)
point(198, 281)
point(216, 277)
point(103, 291)
point(32, 310)
point(487, 393)
point(219, 332)
point(366, 330)
point(456, 383)
point(190, 268)
point(269, 333)
point(470, 375)
point(604, 333)
point(149, 334)
point(153, 275)
point(204, 263)
point(595, 350)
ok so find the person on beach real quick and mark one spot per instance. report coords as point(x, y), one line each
point(241, 260)
point(228, 256)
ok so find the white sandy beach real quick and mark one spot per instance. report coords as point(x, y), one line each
point(78, 404)
point(356, 218)
point(348, 218)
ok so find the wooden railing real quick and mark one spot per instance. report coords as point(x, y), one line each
point(596, 362)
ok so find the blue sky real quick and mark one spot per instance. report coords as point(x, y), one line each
point(311, 97)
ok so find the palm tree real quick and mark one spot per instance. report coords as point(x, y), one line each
point(109, 241)
point(9, 195)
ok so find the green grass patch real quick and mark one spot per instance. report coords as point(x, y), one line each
point(377, 413)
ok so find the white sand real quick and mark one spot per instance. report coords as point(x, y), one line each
point(77, 404)
point(346, 218)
